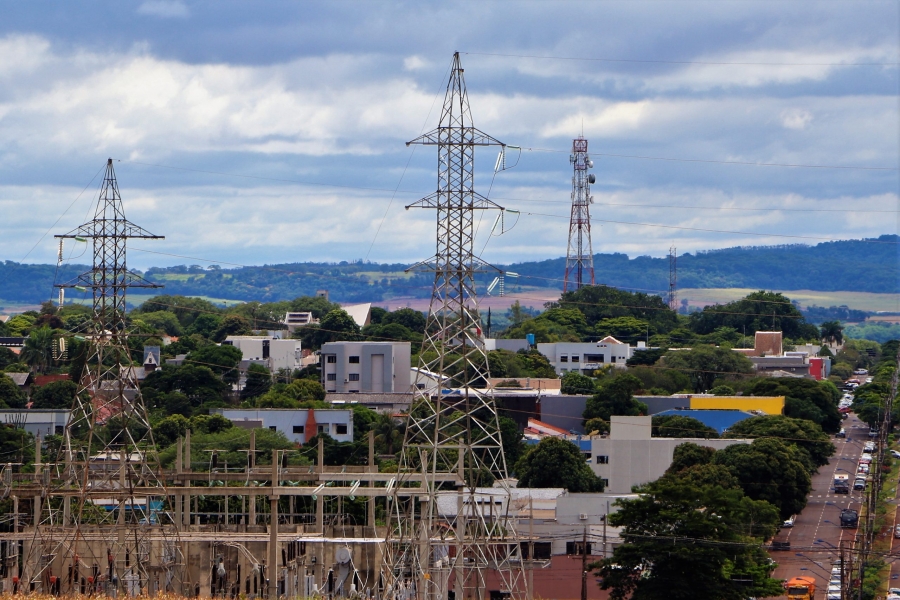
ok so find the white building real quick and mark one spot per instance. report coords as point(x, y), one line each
point(37, 421)
point(278, 353)
point(586, 357)
point(297, 424)
point(296, 320)
point(365, 367)
point(630, 456)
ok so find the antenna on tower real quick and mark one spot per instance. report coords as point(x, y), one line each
point(673, 280)
point(580, 256)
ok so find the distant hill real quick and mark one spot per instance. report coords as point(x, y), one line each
point(855, 265)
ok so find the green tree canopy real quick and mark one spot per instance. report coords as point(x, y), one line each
point(689, 454)
point(222, 360)
point(38, 349)
point(413, 320)
point(677, 426)
point(232, 325)
point(577, 384)
point(186, 309)
point(806, 398)
point(804, 434)
point(56, 394)
point(614, 397)
point(556, 462)
point(704, 364)
point(162, 320)
point(10, 394)
point(205, 324)
point(599, 302)
point(259, 380)
point(759, 311)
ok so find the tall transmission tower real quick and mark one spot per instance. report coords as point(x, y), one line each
point(580, 256)
point(673, 279)
point(452, 535)
point(108, 448)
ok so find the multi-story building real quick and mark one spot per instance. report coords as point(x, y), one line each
point(366, 367)
point(297, 424)
point(586, 357)
point(630, 456)
point(37, 421)
point(277, 353)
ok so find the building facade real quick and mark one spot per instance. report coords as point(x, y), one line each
point(365, 367)
point(37, 421)
point(630, 456)
point(297, 424)
point(277, 353)
point(586, 357)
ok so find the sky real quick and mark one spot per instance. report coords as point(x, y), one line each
point(274, 132)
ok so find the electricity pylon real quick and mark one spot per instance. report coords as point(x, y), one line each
point(453, 536)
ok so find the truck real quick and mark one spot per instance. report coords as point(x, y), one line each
point(849, 517)
point(801, 588)
point(841, 484)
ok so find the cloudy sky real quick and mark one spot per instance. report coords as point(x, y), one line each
point(271, 132)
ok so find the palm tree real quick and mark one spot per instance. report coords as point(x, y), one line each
point(832, 332)
point(38, 349)
point(388, 432)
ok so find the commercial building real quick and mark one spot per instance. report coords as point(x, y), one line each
point(630, 456)
point(366, 367)
point(586, 357)
point(277, 353)
point(37, 421)
point(297, 424)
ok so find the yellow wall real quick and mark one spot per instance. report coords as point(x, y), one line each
point(771, 405)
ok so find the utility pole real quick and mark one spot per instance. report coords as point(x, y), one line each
point(584, 555)
point(673, 279)
point(580, 255)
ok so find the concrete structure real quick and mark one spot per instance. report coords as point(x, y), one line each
point(295, 320)
point(630, 456)
point(278, 353)
point(564, 412)
point(387, 403)
point(297, 424)
point(510, 345)
point(586, 357)
point(37, 421)
point(360, 313)
point(765, 343)
point(366, 367)
point(770, 405)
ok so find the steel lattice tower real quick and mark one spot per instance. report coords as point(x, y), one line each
point(452, 444)
point(580, 256)
point(673, 280)
point(108, 449)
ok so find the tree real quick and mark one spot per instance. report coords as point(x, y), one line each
point(337, 325)
point(759, 311)
point(804, 434)
point(595, 424)
point(832, 332)
point(683, 541)
point(647, 357)
point(677, 426)
point(413, 320)
point(232, 325)
point(614, 398)
point(306, 389)
point(205, 325)
point(722, 390)
point(576, 384)
point(259, 380)
point(7, 357)
point(770, 470)
point(511, 439)
point(704, 364)
point(556, 462)
point(223, 360)
point(388, 435)
point(167, 431)
point(56, 394)
point(162, 320)
point(38, 349)
point(10, 394)
point(806, 398)
point(197, 382)
point(210, 423)
point(689, 454)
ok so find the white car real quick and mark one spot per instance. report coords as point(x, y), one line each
point(895, 454)
point(789, 522)
point(869, 447)
point(865, 459)
point(863, 469)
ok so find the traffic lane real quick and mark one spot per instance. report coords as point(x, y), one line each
point(816, 536)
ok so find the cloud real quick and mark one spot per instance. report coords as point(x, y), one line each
point(796, 118)
point(166, 9)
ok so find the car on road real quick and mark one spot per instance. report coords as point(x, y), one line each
point(863, 469)
point(789, 522)
point(897, 532)
point(869, 447)
point(895, 454)
point(865, 459)
point(859, 483)
point(861, 372)
point(873, 433)
point(841, 434)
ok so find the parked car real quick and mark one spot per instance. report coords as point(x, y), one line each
point(869, 447)
point(861, 372)
point(895, 454)
point(873, 433)
point(865, 459)
point(841, 434)
point(863, 469)
point(789, 522)
point(859, 483)
point(897, 532)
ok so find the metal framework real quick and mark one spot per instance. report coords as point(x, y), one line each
point(673, 279)
point(108, 449)
point(456, 533)
point(580, 256)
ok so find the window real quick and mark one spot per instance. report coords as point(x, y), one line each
point(602, 460)
point(331, 377)
point(420, 386)
point(605, 483)
point(612, 359)
point(354, 377)
point(541, 550)
point(331, 359)
point(298, 429)
point(353, 360)
point(323, 428)
point(60, 430)
point(575, 548)
point(575, 358)
point(273, 428)
point(594, 358)
point(265, 347)
point(564, 358)
point(340, 429)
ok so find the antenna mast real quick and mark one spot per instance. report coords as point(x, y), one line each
point(673, 280)
point(452, 450)
point(580, 256)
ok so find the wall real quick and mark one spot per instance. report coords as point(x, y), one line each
point(289, 421)
point(771, 405)
point(564, 412)
point(37, 421)
point(383, 367)
point(591, 355)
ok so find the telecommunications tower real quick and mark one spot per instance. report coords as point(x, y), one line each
point(452, 449)
point(580, 256)
point(108, 448)
point(673, 280)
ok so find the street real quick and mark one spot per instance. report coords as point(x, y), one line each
point(816, 536)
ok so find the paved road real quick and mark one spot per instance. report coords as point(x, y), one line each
point(816, 535)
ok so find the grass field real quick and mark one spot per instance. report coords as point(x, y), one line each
point(855, 300)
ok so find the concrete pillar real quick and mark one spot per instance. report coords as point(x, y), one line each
point(370, 516)
point(273, 531)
